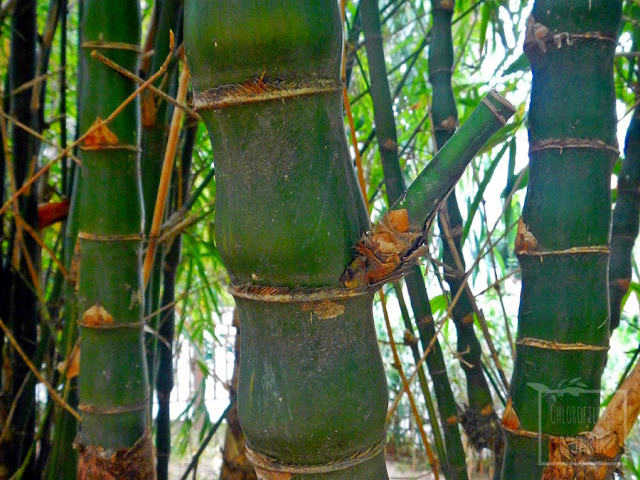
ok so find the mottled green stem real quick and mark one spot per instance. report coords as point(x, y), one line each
point(114, 441)
point(288, 214)
point(563, 239)
point(427, 191)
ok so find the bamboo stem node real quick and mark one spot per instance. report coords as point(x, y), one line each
point(537, 37)
point(259, 90)
point(114, 410)
point(110, 326)
point(111, 46)
point(127, 237)
point(93, 148)
point(564, 143)
point(293, 295)
point(264, 462)
point(493, 109)
point(560, 347)
point(585, 250)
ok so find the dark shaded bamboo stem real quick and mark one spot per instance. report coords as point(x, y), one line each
point(23, 309)
point(479, 419)
point(166, 328)
point(235, 464)
point(626, 217)
point(454, 463)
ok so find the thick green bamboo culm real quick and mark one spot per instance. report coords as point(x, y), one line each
point(563, 238)
point(479, 419)
point(288, 213)
point(626, 217)
point(114, 439)
point(452, 459)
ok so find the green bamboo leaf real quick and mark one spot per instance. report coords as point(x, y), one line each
point(485, 15)
point(488, 175)
point(520, 64)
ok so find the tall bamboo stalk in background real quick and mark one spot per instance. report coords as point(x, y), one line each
point(63, 459)
point(166, 327)
point(479, 419)
point(114, 441)
point(23, 251)
point(288, 214)
point(155, 126)
point(563, 238)
point(626, 217)
point(454, 463)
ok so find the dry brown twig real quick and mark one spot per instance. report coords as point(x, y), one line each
point(165, 176)
point(52, 391)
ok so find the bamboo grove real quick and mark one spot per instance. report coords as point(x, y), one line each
point(350, 179)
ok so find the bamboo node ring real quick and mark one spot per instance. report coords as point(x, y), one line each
point(126, 237)
point(561, 347)
point(264, 462)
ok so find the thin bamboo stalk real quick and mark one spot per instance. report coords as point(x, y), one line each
point(422, 378)
point(626, 216)
point(23, 315)
point(454, 463)
point(154, 141)
point(479, 418)
point(166, 328)
point(114, 441)
point(165, 177)
point(405, 383)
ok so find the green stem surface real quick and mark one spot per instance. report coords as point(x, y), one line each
point(113, 387)
point(563, 239)
point(312, 392)
point(453, 460)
